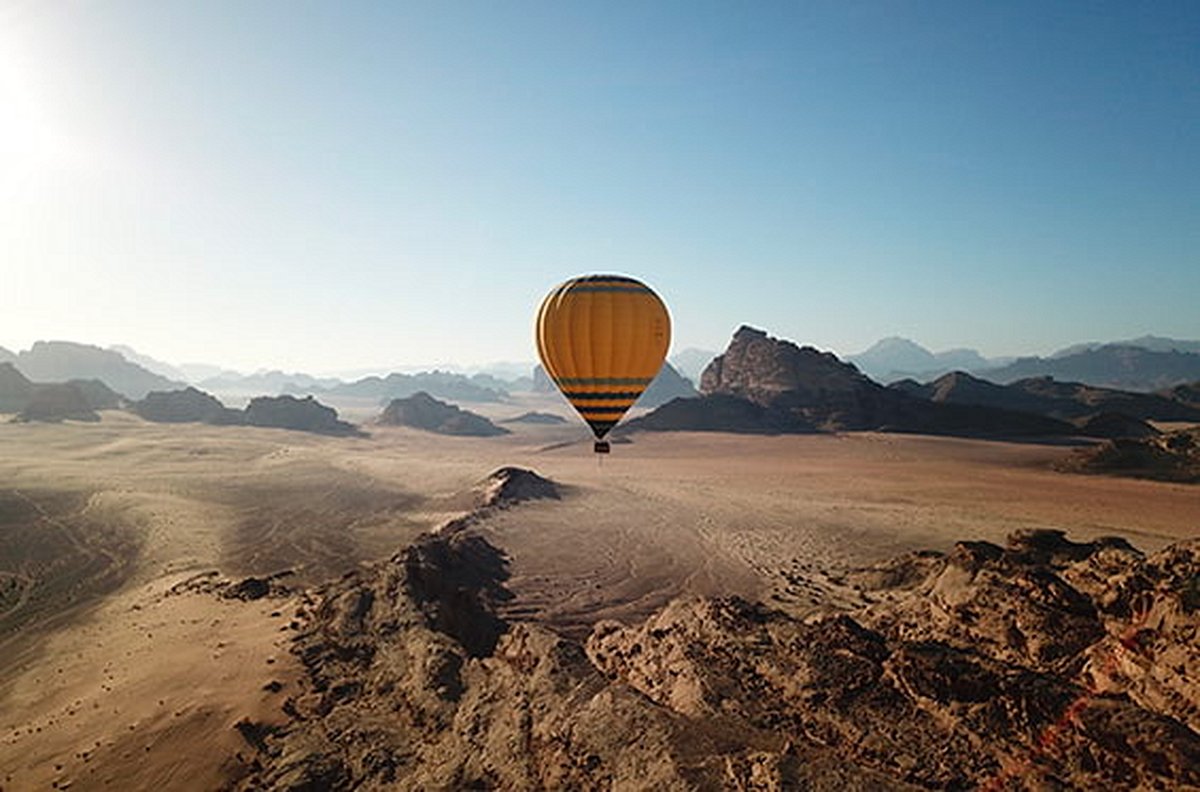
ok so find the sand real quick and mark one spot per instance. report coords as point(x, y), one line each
point(105, 518)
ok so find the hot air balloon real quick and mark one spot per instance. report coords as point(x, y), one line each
point(602, 339)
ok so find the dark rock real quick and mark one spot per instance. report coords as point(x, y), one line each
point(57, 402)
point(250, 588)
point(1113, 425)
point(187, 405)
point(288, 412)
point(422, 411)
point(510, 485)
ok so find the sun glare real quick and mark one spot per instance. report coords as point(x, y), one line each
point(31, 139)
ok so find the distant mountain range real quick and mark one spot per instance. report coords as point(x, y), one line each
point(896, 358)
point(1117, 366)
point(1149, 363)
point(75, 400)
point(1146, 364)
point(60, 361)
point(442, 384)
point(1151, 342)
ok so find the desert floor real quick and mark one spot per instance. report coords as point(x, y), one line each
point(111, 673)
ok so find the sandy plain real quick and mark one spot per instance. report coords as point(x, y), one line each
point(114, 674)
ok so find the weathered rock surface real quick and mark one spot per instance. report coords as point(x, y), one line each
point(512, 485)
point(184, 406)
point(422, 411)
point(288, 412)
point(1172, 456)
point(1046, 664)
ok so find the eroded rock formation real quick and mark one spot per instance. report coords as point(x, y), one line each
point(1043, 664)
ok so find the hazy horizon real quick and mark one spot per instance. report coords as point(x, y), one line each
point(325, 188)
point(511, 368)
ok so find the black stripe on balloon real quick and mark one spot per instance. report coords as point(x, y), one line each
point(594, 278)
point(603, 395)
point(602, 414)
point(631, 289)
point(600, 428)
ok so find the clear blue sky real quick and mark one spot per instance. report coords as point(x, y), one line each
point(315, 186)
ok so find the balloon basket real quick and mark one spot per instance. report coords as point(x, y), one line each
point(601, 447)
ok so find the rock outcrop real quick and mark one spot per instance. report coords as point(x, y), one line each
point(796, 389)
point(509, 486)
point(288, 412)
point(1045, 664)
point(1077, 400)
point(1114, 425)
point(422, 411)
point(777, 373)
point(54, 402)
point(1188, 393)
point(1097, 412)
point(1170, 456)
point(186, 406)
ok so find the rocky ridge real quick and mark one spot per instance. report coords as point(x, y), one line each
point(1043, 664)
point(275, 412)
point(783, 387)
point(1170, 456)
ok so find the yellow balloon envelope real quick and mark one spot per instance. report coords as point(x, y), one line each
point(602, 339)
